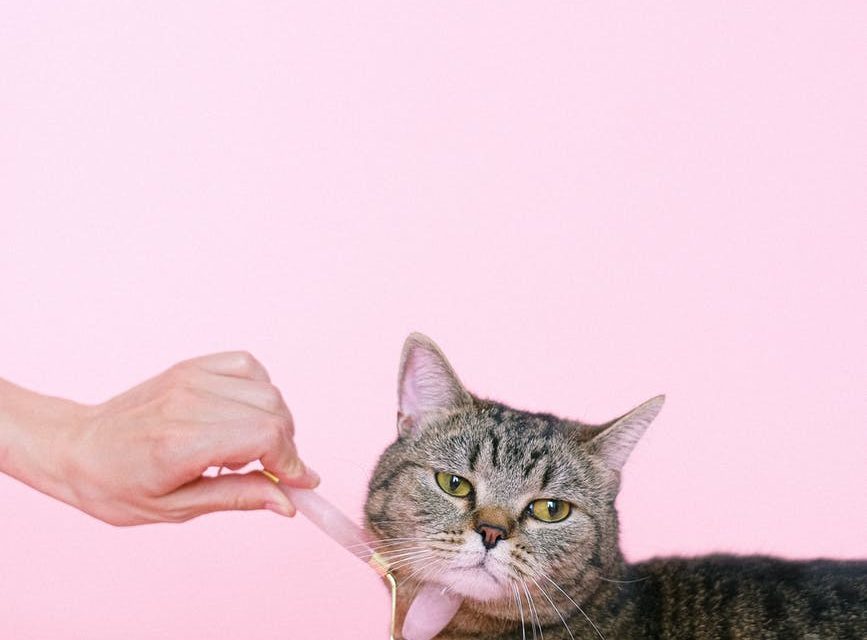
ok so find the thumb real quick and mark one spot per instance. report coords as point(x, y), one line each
point(231, 492)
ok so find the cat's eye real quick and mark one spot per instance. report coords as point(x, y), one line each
point(454, 485)
point(549, 510)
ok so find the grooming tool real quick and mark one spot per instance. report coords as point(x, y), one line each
point(430, 611)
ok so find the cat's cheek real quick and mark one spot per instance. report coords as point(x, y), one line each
point(553, 546)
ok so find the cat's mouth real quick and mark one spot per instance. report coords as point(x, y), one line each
point(479, 567)
point(479, 581)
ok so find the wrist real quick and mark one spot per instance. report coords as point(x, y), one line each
point(36, 433)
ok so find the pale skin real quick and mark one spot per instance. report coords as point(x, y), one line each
point(139, 457)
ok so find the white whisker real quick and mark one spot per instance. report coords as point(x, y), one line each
point(385, 542)
point(595, 628)
point(397, 553)
point(520, 610)
point(403, 562)
point(534, 615)
point(624, 581)
point(556, 610)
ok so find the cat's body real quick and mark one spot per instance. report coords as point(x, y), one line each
point(707, 598)
point(515, 512)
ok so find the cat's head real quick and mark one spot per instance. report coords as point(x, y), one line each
point(481, 497)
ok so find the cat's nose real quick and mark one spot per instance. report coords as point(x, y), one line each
point(491, 534)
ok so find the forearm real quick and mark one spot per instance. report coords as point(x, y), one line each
point(34, 436)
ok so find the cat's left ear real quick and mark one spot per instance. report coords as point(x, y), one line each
point(427, 385)
point(615, 441)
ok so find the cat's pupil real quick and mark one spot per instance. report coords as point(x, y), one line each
point(454, 483)
point(553, 508)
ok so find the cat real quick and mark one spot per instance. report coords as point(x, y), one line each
point(515, 512)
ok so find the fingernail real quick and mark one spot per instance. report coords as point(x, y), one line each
point(313, 477)
point(280, 509)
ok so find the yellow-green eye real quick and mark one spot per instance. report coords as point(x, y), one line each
point(549, 510)
point(454, 485)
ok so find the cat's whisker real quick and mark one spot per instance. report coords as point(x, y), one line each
point(397, 554)
point(415, 587)
point(409, 560)
point(438, 565)
point(417, 531)
point(413, 567)
point(556, 610)
point(393, 560)
point(386, 541)
point(415, 557)
point(420, 526)
point(402, 562)
point(435, 545)
point(577, 606)
point(404, 546)
point(415, 572)
point(520, 609)
point(623, 581)
point(382, 548)
point(534, 615)
point(434, 570)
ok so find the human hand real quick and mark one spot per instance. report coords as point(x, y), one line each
point(139, 457)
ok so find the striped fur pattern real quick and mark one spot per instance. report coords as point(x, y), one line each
point(566, 579)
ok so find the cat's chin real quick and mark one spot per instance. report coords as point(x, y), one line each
point(476, 583)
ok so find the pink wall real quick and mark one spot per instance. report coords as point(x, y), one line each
point(584, 207)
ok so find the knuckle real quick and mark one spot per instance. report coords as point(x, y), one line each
point(238, 503)
point(180, 372)
point(294, 466)
point(177, 517)
point(168, 381)
point(272, 396)
point(173, 511)
point(246, 361)
point(283, 424)
point(280, 427)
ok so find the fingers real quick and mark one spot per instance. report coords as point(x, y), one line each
point(226, 493)
point(254, 393)
point(283, 461)
point(247, 418)
point(256, 435)
point(237, 364)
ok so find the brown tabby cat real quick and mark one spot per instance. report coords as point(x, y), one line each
point(515, 512)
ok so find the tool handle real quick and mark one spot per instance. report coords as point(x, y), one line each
point(330, 520)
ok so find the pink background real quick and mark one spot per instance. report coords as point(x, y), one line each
point(585, 206)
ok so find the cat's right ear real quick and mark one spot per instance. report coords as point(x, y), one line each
point(427, 385)
point(615, 441)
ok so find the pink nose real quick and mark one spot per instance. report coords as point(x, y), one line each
point(491, 534)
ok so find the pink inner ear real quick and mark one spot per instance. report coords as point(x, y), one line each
point(409, 393)
point(427, 385)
